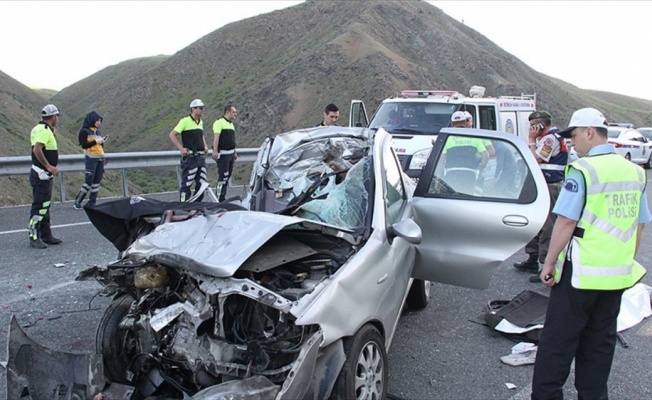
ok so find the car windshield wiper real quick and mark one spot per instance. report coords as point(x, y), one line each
point(305, 195)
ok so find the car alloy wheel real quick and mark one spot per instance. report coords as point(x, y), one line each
point(364, 374)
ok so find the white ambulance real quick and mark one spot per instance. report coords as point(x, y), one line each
point(415, 117)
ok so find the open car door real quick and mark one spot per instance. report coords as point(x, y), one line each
point(358, 115)
point(476, 214)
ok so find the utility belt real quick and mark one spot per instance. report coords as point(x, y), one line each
point(225, 152)
point(195, 154)
point(42, 174)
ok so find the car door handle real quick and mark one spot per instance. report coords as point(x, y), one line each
point(382, 279)
point(515, 220)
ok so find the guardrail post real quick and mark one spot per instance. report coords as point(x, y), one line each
point(125, 185)
point(62, 188)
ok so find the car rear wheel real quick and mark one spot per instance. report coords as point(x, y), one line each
point(419, 295)
point(648, 163)
point(116, 345)
point(628, 157)
point(364, 374)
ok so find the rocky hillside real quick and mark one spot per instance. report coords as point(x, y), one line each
point(280, 69)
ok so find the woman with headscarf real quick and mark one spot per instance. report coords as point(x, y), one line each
point(92, 141)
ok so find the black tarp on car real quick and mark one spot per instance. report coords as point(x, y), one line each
point(121, 221)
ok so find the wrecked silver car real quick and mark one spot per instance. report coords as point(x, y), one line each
point(299, 295)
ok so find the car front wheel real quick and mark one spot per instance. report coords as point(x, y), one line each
point(648, 163)
point(419, 295)
point(116, 345)
point(364, 374)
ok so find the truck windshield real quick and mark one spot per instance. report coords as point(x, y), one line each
point(413, 117)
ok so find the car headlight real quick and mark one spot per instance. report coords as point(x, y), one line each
point(419, 159)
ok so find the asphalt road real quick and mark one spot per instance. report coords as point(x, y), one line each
point(437, 353)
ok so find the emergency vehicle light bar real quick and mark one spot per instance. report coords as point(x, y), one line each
point(424, 93)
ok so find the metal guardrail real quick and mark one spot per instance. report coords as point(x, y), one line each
point(117, 161)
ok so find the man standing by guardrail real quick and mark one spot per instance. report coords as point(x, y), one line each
point(193, 149)
point(224, 152)
point(45, 157)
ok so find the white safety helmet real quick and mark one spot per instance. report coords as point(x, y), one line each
point(49, 111)
point(196, 103)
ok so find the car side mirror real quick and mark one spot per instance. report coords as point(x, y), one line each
point(408, 230)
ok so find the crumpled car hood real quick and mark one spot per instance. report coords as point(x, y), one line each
point(218, 244)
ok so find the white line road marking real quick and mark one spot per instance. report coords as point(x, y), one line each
point(53, 226)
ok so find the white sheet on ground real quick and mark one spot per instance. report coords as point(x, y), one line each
point(635, 306)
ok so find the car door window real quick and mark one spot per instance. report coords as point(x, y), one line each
point(488, 118)
point(465, 170)
point(629, 135)
point(394, 191)
point(466, 235)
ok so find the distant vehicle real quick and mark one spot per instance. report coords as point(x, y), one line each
point(622, 124)
point(631, 144)
point(572, 154)
point(416, 116)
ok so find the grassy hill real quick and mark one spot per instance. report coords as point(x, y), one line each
point(280, 69)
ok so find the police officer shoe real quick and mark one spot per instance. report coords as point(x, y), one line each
point(37, 244)
point(51, 240)
point(77, 206)
point(531, 265)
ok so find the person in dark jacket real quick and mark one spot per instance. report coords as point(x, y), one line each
point(92, 141)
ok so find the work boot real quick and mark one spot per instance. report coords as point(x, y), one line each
point(530, 265)
point(50, 240)
point(37, 243)
point(92, 199)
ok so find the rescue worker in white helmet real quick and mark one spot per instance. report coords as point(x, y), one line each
point(192, 148)
point(45, 157)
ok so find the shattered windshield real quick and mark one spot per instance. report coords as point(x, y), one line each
point(413, 117)
point(342, 204)
point(325, 180)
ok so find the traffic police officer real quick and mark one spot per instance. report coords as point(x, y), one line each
point(601, 212)
point(193, 149)
point(45, 156)
point(551, 152)
point(224, 152)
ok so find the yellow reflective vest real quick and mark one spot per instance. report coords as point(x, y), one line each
point(603, 247)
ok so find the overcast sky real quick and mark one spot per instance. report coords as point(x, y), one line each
point(599, 45)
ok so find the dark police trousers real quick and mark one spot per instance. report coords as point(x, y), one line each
point(580, 324)
point(39, 214)
point(93, 176)
point(193, 170)
point(224, 171)
point(538, 246)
